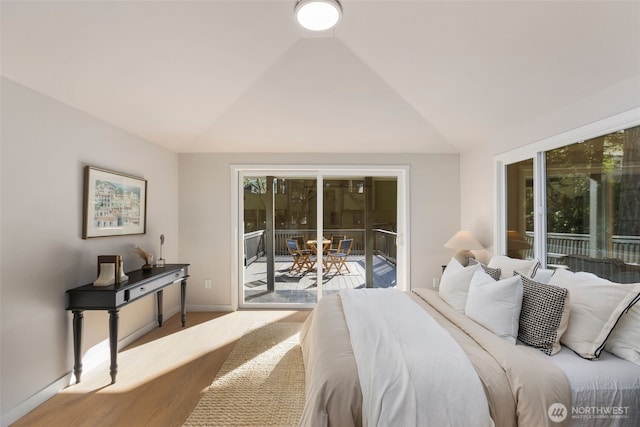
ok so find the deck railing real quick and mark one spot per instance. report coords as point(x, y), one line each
point(281, 237)
point(384, 242)
point(254, 246)
point(559, 245)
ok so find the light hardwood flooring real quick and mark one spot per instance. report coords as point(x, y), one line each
point(161, 376)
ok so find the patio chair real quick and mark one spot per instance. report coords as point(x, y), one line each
point(335, 241)
point(333, 247)
point(338, 258)
point(300, 240)
point(301, 257)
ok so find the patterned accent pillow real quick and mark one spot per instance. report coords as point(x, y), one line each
point(544, 315)
point(493, 272)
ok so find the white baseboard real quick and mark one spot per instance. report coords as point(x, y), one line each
point(92, 358)
point(13, 415)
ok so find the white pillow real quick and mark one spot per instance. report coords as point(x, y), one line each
point(543, 275)
point(596, 305)
point(454, 283)
point(508, 265)
point(624, 340)
point(495, 305)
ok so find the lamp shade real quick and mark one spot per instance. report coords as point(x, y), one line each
point(318, 15)
point(463, 240)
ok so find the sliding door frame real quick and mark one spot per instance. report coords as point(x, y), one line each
point(319, 172)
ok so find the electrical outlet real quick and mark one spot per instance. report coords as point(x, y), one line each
point(207, 283)
point(436, 282)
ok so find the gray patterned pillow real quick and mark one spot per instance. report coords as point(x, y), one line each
point(541, 316)
point(493, 272)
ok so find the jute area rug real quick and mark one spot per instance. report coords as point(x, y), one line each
point(260, 384)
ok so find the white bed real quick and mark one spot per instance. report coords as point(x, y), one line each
point(520, 382)
point(604, 392)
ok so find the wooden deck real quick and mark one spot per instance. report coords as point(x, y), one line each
point(301, 288)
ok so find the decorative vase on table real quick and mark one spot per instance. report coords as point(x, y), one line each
point(146, 256)
point(149, 264)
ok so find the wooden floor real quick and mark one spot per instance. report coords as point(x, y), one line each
point(161, 376)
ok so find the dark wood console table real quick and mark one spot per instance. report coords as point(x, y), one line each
point(112, 298)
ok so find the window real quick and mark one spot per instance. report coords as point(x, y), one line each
point(588, 205)
point(520, 212)
point(593, 205)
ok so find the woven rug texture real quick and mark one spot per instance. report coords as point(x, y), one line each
point(260, 384)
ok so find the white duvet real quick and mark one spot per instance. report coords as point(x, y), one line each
point(412, 373)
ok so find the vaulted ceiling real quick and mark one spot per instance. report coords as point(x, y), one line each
point(394, 76)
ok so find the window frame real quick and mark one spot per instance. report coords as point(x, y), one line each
point(537, 151)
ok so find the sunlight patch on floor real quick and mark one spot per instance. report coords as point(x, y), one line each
point(149, 358)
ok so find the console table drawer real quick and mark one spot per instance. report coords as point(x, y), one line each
point(154, 285)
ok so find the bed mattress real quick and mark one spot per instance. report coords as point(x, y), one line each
point(604, 392)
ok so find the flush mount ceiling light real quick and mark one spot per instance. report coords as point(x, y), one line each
point(318, 15)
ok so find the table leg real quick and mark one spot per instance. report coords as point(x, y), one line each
point(183, 302)
point(113, 343)
point(159, 300)
point(78, 318)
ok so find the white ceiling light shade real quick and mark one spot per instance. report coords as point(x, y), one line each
point(318, 15)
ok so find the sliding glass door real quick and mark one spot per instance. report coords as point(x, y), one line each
point(280, 223)
point(290, 256)
point(361, 211)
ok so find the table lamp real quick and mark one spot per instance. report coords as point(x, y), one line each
point(463, 241)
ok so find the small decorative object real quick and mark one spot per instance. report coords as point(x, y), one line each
point(146, 256)
point(115, 204)
point(160, 262)
point(123, 277)
point(110, 270)
point(106, 275)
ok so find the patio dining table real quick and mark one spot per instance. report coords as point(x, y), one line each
point(313, 245)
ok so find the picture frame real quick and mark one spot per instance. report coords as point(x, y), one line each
point(115, 204)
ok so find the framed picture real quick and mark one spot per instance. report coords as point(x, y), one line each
point(115, 204)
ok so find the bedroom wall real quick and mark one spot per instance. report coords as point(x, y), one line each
point(205, 213)
point(45, 146)
point(477, 199)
